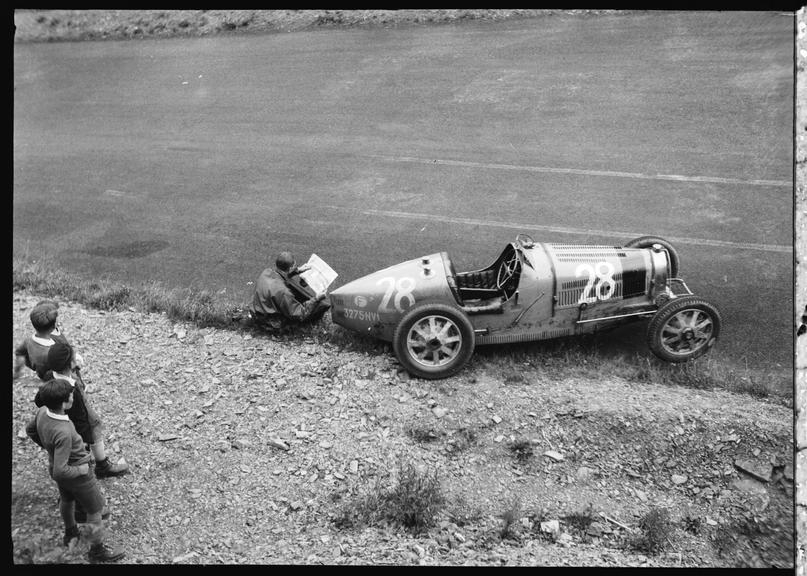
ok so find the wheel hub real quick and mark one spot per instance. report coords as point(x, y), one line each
point(434, 341)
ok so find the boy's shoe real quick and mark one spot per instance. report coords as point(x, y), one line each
point(105, 553)
point(70, 534)
point(107, 469)
point(81, 515)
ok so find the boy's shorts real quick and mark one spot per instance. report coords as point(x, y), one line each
point(85, 490)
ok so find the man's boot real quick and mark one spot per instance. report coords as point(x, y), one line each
point(106, 469)
point(103, 552)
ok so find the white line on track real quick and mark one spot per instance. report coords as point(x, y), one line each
point(565, 230)
point(582, 172)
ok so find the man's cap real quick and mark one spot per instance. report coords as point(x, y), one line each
point(59, 356)
point(284, 261)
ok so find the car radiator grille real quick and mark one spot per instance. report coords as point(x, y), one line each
point(570, 292)
point(573, 253)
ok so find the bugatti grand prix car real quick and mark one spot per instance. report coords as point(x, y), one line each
point(435, 316)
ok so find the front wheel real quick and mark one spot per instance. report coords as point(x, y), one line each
point(433, 340)
point(683, 329)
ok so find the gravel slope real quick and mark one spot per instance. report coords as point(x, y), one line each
point(194, 413)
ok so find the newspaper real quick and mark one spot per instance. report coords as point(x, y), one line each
point(318, 274)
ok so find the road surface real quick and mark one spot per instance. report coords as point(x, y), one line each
point(193, 161)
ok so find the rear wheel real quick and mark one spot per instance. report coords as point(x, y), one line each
point(648, 241)
point(433, 340)
point(683, 329)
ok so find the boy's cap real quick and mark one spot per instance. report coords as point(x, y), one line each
point(44, 313)
point(59, 356)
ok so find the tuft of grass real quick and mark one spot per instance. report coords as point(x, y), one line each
point(462, 440)
point(413, 502)
point(522, 449)
point(691, 522)
point(510, 518)
point(657, 531)
point(581, 520)
point(421, 434)
point(512, 374)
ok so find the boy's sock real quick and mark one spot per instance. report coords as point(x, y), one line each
point(70, 533)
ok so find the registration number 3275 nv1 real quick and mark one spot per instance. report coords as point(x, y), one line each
point(361, 315)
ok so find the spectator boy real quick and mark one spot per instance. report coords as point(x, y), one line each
point(33, 352)
point(69, 465)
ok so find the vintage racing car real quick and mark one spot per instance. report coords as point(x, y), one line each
point(434, 316)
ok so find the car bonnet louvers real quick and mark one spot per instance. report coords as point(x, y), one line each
point(579, 269)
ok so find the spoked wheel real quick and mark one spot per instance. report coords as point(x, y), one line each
point(648, 241)
point(683, 329)
point(433, 340)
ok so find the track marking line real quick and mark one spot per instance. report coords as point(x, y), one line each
point(566, 230)
point(582, 172)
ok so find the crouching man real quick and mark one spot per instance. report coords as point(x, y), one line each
point(282, 297)
point(69, 466)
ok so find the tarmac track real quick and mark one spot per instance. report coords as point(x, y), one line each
point(192, 162)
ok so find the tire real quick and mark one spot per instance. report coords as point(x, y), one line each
point(648, 241)
point(431, 355)
point(671, 334)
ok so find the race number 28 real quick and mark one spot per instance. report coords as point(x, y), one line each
point(397, 291)
point(600, 285)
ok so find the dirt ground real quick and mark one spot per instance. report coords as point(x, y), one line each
point(197, 414)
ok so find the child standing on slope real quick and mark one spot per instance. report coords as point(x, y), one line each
point(69, 466)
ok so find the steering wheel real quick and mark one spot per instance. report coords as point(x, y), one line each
point(525, 240)
point(509, 268)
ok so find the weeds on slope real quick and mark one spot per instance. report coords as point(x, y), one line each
point(413, 502)
point(189, 304)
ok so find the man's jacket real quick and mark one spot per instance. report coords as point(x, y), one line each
point(273, 297)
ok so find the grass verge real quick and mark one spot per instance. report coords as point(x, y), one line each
point(564, 357)
point(200, 307)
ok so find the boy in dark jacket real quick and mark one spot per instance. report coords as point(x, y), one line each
point(33, 352)
point(69, 464)
point(48, 352)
